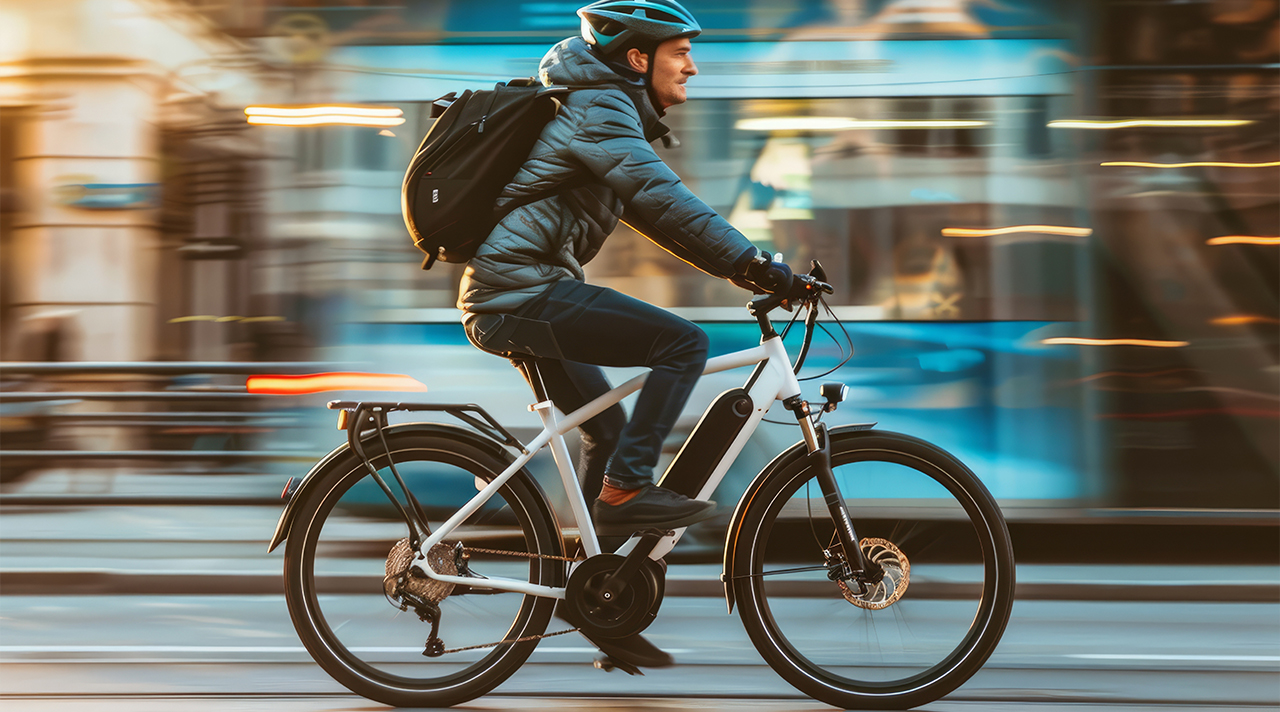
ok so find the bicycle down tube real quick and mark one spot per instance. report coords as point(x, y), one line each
point(775, 382)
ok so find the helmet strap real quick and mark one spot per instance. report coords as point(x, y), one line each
point(648, 86)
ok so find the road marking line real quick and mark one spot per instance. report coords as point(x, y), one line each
point(1198, 658)
point(246, 649)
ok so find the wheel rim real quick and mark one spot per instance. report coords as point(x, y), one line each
point(344, 563)
point(903, 647)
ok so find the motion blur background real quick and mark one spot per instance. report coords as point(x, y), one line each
point(999, 191)
point(1053, 228)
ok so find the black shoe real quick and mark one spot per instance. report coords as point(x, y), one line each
point(627, 654)
point(631, 652)
point(653, 508)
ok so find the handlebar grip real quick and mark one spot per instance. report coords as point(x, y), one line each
point(765, 303)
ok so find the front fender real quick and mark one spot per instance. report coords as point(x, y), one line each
point(793, 455)
point(373, 446)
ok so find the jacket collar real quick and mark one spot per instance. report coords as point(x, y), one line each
point(573, 63)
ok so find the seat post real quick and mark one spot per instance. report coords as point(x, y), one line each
point(529, 369)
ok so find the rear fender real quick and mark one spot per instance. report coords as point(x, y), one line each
point(374, 447)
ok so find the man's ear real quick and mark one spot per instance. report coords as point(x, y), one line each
point(638, 60)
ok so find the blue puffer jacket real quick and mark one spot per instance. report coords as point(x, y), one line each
point(601, 137)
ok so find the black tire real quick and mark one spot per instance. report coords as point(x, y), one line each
point(953, 610)
point(335, 564)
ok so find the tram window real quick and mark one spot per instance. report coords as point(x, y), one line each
point(801, 177)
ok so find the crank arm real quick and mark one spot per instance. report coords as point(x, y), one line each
point(617, 583)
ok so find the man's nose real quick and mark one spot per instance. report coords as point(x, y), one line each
point(691, 69)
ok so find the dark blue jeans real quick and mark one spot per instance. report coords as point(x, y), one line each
point(594, 326)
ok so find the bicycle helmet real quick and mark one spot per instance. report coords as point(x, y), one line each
point(610, 25)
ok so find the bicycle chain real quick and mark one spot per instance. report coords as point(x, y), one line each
point(527, 638)
point(524, 554)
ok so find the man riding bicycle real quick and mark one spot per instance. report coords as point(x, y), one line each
point(524, 292)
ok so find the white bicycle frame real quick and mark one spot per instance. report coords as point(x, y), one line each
point(774, 382)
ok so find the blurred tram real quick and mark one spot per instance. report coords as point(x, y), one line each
point(932, 159)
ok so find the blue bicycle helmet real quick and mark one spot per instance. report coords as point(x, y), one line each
point(609, 25)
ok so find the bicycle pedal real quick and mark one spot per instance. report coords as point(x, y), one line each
point(609, 664)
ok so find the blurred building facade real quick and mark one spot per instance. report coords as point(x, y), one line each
point(962, 170)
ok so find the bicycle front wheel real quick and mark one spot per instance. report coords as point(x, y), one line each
point(934, 619)
point(364, 630)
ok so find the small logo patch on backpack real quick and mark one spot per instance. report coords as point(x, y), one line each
point(435, 195)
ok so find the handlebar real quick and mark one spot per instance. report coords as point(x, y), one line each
point(815, 286)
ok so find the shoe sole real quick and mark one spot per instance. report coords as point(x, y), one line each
point(633, 527)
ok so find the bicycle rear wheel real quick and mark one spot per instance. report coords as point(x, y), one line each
point(947, 594)
point(336, 564)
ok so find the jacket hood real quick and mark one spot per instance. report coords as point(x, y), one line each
point(572, 63)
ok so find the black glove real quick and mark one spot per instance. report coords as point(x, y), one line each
point(771, 277)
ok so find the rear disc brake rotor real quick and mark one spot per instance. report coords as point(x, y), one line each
point(897, 576)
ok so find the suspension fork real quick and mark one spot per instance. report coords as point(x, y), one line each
point(848, 563)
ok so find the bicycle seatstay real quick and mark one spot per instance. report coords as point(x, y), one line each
point(776, 381)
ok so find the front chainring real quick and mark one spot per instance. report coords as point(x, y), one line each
point(635, 608)
point(897, 576)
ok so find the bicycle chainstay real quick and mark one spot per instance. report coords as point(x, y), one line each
point(466, 551)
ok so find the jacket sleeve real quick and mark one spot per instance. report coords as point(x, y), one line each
point(658, 205)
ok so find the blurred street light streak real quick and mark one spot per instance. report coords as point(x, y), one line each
point(375, 116)
point(1129, 374)
point(281, 384)
point(1217, 164)
point(840, 123)
point(1144, 123)
point(1078, 341)
point(1044, 229)
point(1244, 319)
point(1243, 412)
point(225, 319)
point(326, 120)
point(1242, 240)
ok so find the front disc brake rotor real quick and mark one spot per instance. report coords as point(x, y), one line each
point(401, 577)
point(897, 576)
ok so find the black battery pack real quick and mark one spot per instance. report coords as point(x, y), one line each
point(708, 442)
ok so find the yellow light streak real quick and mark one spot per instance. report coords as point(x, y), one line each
point(1144, 123)
point(840, 123)
point(1219, 164)
point(1043, 229)
point(375, 116)
point(1242, 240)
point(1076, 341)
point(324, 120)
point(288, 111)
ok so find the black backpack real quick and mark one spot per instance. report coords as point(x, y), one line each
point(470, 154)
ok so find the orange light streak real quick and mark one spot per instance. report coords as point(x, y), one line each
point(1243, 240)
point(287, 385)
point(1077, 341)
point(1243, 319)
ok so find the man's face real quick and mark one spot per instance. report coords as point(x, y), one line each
point(672, 67)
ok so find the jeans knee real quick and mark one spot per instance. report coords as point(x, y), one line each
point(603, 432)
point(691, 349)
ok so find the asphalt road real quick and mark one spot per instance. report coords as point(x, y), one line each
point(231, 652)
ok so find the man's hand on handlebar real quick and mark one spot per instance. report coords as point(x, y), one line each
point(786, 289)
